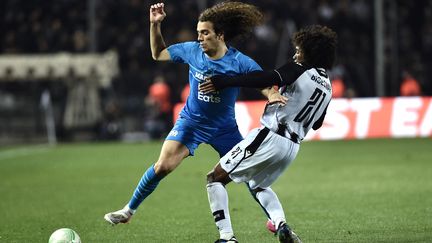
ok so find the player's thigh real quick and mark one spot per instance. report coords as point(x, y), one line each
point(189, 134)
point(172, 154)
point(271, 161)
point(225, 140)
point(269, 157)
point(234, 157)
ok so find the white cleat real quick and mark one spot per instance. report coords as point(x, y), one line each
point(121, 216)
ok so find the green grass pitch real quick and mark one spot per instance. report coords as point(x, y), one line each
point(336, 191)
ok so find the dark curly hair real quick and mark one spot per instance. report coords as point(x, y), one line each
point(317, 44)
point(235, 20)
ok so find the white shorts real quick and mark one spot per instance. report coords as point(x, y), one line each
point(260, 158)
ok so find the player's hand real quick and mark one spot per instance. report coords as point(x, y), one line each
point(157, 13)
point(276, 97)
point(206, 87)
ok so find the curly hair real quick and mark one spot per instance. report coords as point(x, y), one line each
point(317, 44)
point(235, 20)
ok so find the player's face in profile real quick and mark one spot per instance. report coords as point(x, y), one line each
point(298, 56)
point(207, 37)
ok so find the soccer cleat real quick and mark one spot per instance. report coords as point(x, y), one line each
point(286, 235)
point(121, 216)
point(232, 240)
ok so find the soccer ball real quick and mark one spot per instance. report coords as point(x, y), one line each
point(64, 235)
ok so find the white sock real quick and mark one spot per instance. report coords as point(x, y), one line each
point(128, 209)
point(270, 202)
point(218, 200)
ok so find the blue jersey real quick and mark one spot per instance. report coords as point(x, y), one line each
point(214, 109)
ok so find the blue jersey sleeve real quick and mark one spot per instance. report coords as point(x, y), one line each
point(180, 52)
point(248, 65)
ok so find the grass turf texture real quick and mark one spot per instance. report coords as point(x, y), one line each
point(338, 191)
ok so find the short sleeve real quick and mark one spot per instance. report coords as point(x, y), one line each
point(251, 65)
point(181, 52)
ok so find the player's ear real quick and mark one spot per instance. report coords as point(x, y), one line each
point(220, 36)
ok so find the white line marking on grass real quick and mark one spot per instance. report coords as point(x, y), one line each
point(25, 151)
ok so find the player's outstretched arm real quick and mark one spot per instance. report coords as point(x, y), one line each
point(157, 43)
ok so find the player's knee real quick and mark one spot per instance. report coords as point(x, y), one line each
point(255, 190)
point(258, 189)
point(163, 168)
point(215, 176)
point(167, 162)
point(211, 177)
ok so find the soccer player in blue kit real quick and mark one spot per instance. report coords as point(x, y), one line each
point(206, 118)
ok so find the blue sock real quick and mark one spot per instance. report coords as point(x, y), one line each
point(145, 187)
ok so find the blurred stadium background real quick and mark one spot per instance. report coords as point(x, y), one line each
point(79, 74)
point(82, 70)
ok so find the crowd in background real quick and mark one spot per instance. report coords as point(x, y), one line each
point(47, 26)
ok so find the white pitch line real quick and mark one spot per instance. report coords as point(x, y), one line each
point(19, 152)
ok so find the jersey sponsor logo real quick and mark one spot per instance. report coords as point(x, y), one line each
point(173, 133)
point(200, 76)
point(321, 82)
point(236, 152)
point(209, 98)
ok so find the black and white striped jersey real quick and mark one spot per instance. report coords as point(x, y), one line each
point(308, 91)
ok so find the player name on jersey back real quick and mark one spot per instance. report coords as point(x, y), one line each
point(322, 82)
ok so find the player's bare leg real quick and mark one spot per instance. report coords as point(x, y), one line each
point(172, 154)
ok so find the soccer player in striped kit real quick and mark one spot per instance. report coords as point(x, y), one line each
point(206, 118)
point(266, 152)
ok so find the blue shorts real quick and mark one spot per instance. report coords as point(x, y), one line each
point(191, 135)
